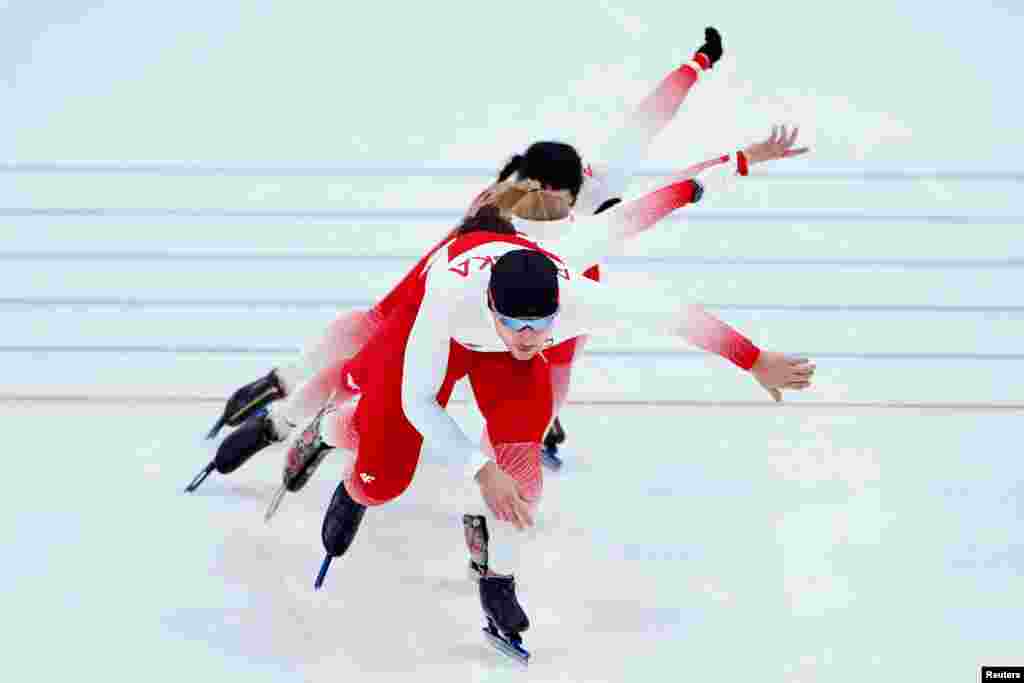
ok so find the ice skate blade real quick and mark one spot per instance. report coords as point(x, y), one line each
point(515, 652)
point(275, 502)
point(200, 478)
point(217, 426)
point(323, 573)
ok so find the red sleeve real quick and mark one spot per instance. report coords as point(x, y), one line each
point(707, 332)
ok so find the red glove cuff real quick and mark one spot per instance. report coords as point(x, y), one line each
point(742, 163)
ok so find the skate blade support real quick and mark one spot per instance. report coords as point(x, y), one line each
point(279, 495)
point(275, 502)
point(515, 652)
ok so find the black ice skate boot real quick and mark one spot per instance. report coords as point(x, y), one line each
point(506, 619)
point(712, 47)
point(341, 522)
point(303, 457)
point(549, 452)
point(246, 401)
point(253, 436)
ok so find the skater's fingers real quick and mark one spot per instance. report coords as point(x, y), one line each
point(792, 136)
point(499, 508)
point(524, 512)
point(521, 514)
point(797, 360)
point(796, 152)
point(507, 512)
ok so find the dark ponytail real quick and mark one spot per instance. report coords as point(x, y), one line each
point(555, 165)
point(511, 166)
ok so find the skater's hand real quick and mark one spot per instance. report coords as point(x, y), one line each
point(501, 493)
point(776, 371)
point(778, 145)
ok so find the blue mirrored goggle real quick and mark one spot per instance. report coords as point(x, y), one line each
point(520, 324)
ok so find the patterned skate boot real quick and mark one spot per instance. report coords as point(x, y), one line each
point(303, 457)
point(248, 400)
point(475, 530)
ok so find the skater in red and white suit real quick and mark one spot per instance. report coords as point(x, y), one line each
point(485, 305)
point(559, 169)
point(444, 328)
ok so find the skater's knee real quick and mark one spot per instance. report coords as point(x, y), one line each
point(369, 489)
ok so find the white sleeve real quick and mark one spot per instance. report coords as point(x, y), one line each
point(592, 239)
point(611, 170)
point(720, 178)
point(587, 307)
point(423, 371)
point(589, 241)
point(600, 184)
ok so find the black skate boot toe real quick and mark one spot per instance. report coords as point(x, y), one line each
point(341, 522)
point(556, 434)
point(253, 436)
point(498, 598)
point(248, 400)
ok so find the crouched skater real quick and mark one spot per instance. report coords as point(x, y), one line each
point(485, 306)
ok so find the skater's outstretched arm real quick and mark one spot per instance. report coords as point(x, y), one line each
point(593, 238)
point(607, 177)
point(588, 306)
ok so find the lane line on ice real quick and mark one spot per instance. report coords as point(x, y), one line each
point(214, 350)
point(452, 215)
point(179, 168)
point(47, 303)
point(398, 261)
point(802, 405)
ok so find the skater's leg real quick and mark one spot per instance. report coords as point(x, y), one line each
point(388, 452)
point(515, 398)
point(343, 339)
point(502, 547)
point(496, 549)
point(560, 360)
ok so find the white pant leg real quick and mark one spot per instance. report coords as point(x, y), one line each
point(342, 339)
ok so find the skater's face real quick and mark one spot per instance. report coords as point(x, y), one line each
point(524, 343)
point(564, 195)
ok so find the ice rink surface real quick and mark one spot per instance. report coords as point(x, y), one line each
point(771, 543)
point(866, 530)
